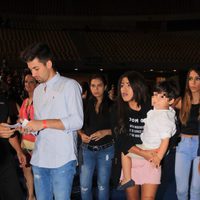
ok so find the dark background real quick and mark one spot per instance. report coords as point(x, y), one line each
point(153, 35)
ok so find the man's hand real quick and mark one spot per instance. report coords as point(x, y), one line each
point(33, 125)
point(5, 132)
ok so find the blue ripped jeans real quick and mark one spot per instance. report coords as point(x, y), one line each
point(186, 154)
point(54, 182)
point(102, 161)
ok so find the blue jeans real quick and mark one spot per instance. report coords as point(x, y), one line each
point(54, 182)
point(102, 160)
point(186, 153)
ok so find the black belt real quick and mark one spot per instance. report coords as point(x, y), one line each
point(97, 147)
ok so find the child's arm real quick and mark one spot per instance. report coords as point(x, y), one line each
point(161, 152)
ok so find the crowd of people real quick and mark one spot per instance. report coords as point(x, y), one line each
point(121, 138)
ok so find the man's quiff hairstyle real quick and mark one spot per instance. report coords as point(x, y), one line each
point(37, 50)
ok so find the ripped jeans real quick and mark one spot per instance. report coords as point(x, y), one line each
point(54, 182)
point(102, 161)
point(186, 154)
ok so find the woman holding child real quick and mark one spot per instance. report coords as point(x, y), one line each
point(142, 167)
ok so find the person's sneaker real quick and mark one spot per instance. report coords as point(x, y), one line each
point(126, 185)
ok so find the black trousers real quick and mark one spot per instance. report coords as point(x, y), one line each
point(10, 188)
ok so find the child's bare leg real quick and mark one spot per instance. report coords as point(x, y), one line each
point(126, 168)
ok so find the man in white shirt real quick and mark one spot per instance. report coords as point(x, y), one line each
point(58, 115)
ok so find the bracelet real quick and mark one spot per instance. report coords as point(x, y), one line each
point(44, 123)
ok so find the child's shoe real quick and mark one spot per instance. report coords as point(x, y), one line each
point(130, 183)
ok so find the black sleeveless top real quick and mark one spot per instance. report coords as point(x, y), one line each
point(192, 126)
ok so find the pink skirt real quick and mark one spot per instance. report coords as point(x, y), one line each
point(143, 172)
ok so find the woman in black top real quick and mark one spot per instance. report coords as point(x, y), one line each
point(186, 152)
point(133, 105)
point(97, 142)
point(9, 182)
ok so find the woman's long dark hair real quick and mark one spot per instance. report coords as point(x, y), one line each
point(187, 99)
point(106, 103)
point(140, 95)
